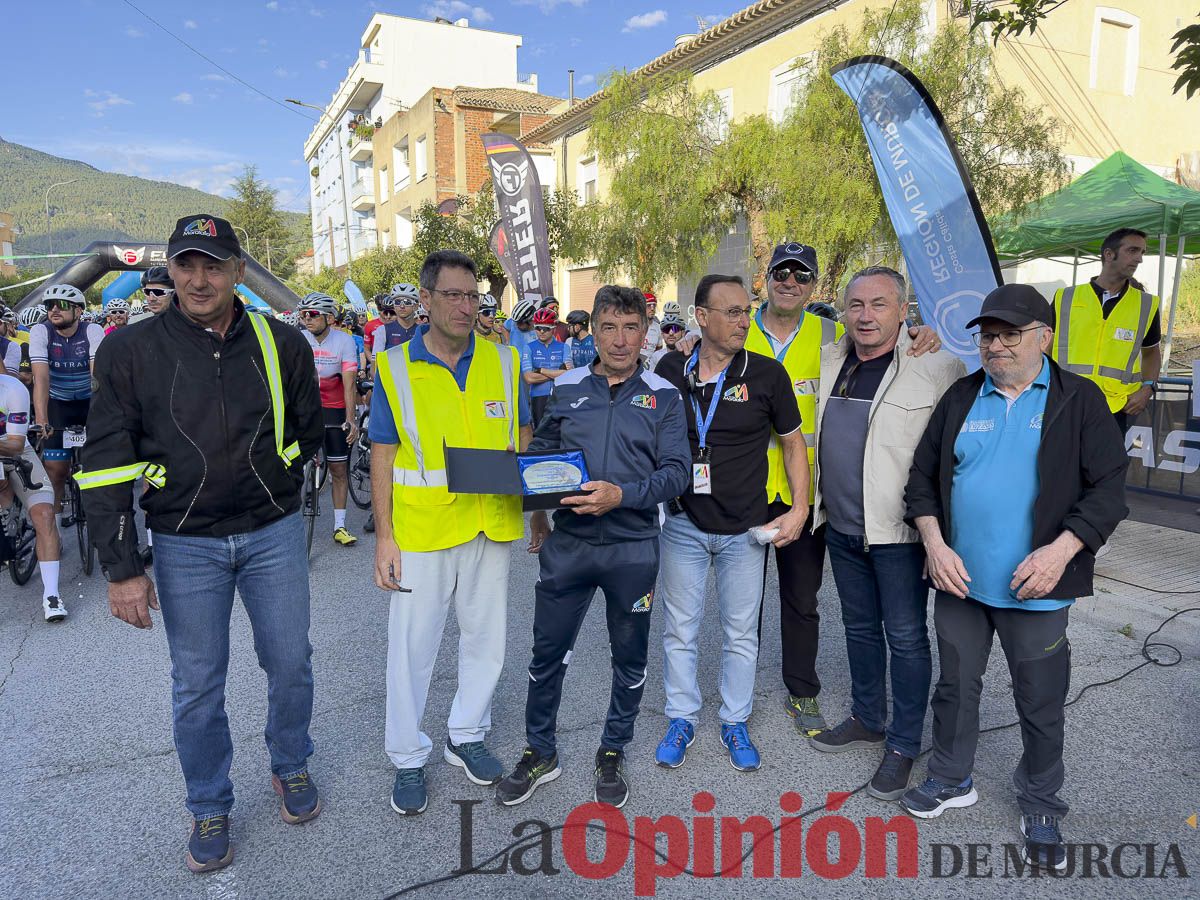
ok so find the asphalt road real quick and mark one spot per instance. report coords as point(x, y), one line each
point(91, 803)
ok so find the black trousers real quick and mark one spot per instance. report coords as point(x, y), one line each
point(571, 571)
point(801, 565)
point(537, 408)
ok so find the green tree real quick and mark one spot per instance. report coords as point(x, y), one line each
point(680, 175)
point(266, 235)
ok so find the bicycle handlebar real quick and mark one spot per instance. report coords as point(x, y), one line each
point(23, 468)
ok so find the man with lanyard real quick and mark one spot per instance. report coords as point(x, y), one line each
point(637, 457)
point(157, 289)
point(393, 333)
point(336, 360)
point(118, 315)
point(435, 549)
point(485, 321)
point(1109, 330)
point(217, 408)
point(61, 351)
point(542, 361)
point(737, 400)
point(14, 426)
point(580, 345)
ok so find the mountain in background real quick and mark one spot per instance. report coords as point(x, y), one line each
point(100, 206)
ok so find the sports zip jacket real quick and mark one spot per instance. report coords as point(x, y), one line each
point(193, 414)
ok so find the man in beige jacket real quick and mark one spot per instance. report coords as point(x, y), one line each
point(874, 403)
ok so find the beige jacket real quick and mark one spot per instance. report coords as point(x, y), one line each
point(903, 404)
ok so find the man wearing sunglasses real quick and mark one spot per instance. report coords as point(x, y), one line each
point(485, 321)
point(400, 328)
point(157, 289)
point(543, 360)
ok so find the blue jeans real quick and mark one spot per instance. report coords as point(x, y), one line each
point(687, 553)
point(884, 595)
point(196, 579)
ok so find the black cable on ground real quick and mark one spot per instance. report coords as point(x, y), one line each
point(1149, 659)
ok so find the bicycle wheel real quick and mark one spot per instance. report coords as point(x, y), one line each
point(308, 504)
point(24, 547)
point(87, 553)
point(358, 473)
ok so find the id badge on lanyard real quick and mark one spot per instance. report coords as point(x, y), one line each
point(702, 473)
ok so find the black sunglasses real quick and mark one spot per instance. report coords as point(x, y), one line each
point(781, 274)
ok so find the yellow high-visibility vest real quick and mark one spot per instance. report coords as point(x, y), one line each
point(432, 413)
point(802, 359)
point(1106, 351)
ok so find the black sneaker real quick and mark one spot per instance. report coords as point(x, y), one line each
point(1044, 845)
point(369, 528)
point(611, 786)
point(209, 848)
point(932, 797)
point(301, 802)
point(533, 770)
point(891, 778)
point(849, 735)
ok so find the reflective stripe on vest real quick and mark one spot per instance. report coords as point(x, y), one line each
point(1086, 342)
point(152, 472)
point(266, 343)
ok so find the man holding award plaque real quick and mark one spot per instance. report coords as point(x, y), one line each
point(443, 388)
point(606, 537)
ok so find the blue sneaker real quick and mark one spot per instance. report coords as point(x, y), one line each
point(743, 755)
point(300, 799)
point(208, 847)
point(409, 796)
point(672, 749)
point(475, 759)
point(932, 797)
point(1044, 845)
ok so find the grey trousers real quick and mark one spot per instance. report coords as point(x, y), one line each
point(1039, 662)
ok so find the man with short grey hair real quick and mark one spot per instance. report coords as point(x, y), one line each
point(873, 404)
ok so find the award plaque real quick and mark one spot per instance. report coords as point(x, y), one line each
point(552, 473)
point(542, 478)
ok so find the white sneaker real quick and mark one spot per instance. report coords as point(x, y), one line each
point(54, 609)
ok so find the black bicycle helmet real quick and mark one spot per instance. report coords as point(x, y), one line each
point(822, 309)
point(578, 317)
point(157, 275)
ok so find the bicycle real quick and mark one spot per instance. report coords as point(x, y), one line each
point(74, 437)
point(358, 472)
point(16, 523)
point(316, 470)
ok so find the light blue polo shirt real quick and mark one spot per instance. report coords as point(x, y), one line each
point(994, 489)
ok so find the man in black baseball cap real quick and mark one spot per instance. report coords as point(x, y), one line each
point(801, 254)
point(1016, 304)
point(208, 234)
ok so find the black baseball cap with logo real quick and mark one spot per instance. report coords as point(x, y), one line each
point(794, 252)
point(1016, 304)
point(205, 233)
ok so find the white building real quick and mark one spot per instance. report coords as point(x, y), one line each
point(399, 60)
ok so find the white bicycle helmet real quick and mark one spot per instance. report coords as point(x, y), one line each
point(422, 312)
point(7, 314)
point(406, 291)
point(67, 292)
point(287, 317)
point(32, 315)
point(116, 305)
point(318, 302)
point(136, 308)
point(487, 302)
point(670, 308)
point(522, 311)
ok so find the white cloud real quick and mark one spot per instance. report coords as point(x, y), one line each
point(190, 24)
point(548, 6)
point(273, 5)
point(322, 64)
point(213, 76)
point(585, 80)
point(645, 20)
point(102, 101)
point(457, 9)
point(134, 33)
point(182, 97)
point(316, 13)
point(281, 72)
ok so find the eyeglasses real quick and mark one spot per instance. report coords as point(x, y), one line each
point(457, 297)
point(60, 304)
point(543, 327)
point(1009, 338)
point(848, 381)
point(782, 273)
point(158, 292)
point(734, 313)
point(310, 314)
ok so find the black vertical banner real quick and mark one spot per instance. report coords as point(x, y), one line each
point(522, 215)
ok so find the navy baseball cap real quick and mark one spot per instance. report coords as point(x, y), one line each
point(1016, 304)
point(793, 252)
point(208, 234)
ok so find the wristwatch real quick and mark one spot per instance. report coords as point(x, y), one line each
point(537, 369)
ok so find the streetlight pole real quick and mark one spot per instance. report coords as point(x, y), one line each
point(342, 169)
point(49, 236)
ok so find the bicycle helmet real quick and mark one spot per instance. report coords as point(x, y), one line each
point(578, 317)
point(547, 300)
point(522, 311)
point(116, 305)
point(487, 303)
point(671, 308)
point(7, 314)
point(669, 320)
point(422, 312)
point(650, 298)
point(501, 316)
point(545, 316)
point(67, 292)
point(405, 291)
point(157, 275)
point(318, 302)
point(32, 315)
point(822, 309)
point(136, 308)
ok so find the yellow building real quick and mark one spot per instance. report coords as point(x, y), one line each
point(8, 267)
point(1103, 71)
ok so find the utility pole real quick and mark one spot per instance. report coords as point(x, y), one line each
point(49, 236)
point(268, 240)
point(332, 260)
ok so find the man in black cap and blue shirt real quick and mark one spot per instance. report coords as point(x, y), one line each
point(217, 409)
point(1018, 480)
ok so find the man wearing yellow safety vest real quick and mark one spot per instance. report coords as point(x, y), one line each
point(443, 388)
point(783, 330)
point(216, 408)
point(1109, 331)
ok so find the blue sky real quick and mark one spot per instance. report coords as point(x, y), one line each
point(95, 80)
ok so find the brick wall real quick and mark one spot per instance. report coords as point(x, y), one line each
point(475, 123)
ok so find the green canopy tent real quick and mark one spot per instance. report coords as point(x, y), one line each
point(1120, 192)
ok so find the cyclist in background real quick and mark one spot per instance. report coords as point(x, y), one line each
point(485, 320)
point(157, 289)
point(520, 325)
point(118, 315)
point(10, 349)
point(581, 345)
point(39, 501)
point(542, 361)
point(337, 367)
point(62, 350)
point(382, 302)
point(399, 330)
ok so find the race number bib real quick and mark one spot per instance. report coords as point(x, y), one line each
point(74, 438)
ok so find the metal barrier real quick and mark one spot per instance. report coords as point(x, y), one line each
point(1164, 443)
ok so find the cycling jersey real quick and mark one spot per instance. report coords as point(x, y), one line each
point(69, 358)
point(582, 350)
point(393, 334)
point(490, 335)
point(10, 356)
point(333, 356)
point(544, 356)
point(369, 331)
point(14, 407)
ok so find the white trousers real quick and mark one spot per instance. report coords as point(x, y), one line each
point(474, 578)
